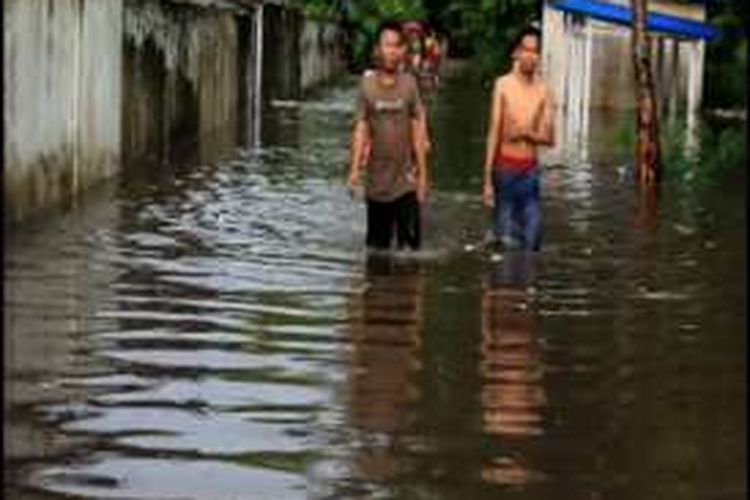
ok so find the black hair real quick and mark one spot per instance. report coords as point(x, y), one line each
point(389, 25)
point(528, 30)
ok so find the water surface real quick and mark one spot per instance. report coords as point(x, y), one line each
point(214, 330)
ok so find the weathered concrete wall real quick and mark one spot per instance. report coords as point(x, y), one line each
point(612, 75)
point(281, 53)
point(321, 56)
point(191, 69)
point(62, 90)
point(183, 74)
point(298, 53)
point(90, 85)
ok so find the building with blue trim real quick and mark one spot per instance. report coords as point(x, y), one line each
point(588, 62)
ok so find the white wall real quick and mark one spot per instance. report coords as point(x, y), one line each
point(62, 99)
point(606, 83)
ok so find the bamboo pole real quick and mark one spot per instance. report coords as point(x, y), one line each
point(647, 158)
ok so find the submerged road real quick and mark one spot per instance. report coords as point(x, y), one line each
point(213, 330)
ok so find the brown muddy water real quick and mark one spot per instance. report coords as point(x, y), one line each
point(214, 330)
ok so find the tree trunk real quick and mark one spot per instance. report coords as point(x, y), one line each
point(647, 152)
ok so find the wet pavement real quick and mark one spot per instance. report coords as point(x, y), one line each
point(214, 330)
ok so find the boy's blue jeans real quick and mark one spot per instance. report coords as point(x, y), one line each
point(518, 212)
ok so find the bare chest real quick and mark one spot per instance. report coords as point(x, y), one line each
point(522, 104)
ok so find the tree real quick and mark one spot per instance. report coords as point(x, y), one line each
point(482, 28)
point(478, 28)
point(647, 159)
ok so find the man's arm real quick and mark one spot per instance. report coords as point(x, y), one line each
point(542, 130)
point(493, 137)
point(419, 145)
point(419, 138)
point(359, 151)
point(548, 120)
point(425, 131)
point(359, 141)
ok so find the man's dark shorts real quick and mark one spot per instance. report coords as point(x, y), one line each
point(400, 216)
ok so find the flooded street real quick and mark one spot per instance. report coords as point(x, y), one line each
point(214, 330)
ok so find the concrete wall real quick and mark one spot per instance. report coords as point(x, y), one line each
point(612, 76)
point(321, 56)
point(281, 53)
point(62, 98)
point(90, 85)
point(298, 53)
point(183, 75)
point(611, 60)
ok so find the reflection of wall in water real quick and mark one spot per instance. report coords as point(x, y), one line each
point(48, 322)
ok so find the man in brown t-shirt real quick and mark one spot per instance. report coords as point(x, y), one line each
point(388, 141)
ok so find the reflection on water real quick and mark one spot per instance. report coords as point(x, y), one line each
point(213, 329)
point(386, 323)
point(511, 367)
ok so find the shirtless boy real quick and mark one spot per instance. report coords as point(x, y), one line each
point(521, 120)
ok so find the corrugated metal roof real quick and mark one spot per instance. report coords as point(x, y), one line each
point(623, 15)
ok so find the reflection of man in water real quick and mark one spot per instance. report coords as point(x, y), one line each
point(512, 395)
point(389, 141)
point(521, 120)
point(386, 329)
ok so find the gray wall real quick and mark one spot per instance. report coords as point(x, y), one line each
point(299, 54)
point(182, 76)
point(321, 53)
point(91, 86)
point(62, 97)
point(281, 56)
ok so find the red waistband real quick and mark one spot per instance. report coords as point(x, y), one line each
point(503, 162)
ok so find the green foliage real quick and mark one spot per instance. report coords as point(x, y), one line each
point(483, 29)
point(726, 56)
point(720, 149)
point(368, 15)
point(726, 74)
point(363, 18)
point(624, 136)
point(399, 9)
point(320, 8)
